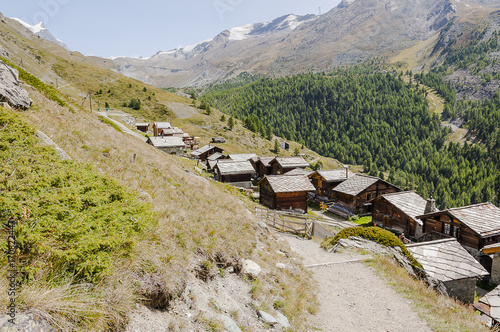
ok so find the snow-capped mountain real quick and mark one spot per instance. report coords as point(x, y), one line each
point(40, 30)
point(352, 32)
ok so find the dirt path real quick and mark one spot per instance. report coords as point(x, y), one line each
point(352, 297)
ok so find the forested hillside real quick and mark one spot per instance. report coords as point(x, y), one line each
point(377, 120)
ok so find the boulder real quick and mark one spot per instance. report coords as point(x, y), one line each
point(267, 318)
point(28, 323)
point(229, 324)
point(11, 90)
point(282, 320)
point(250, 268)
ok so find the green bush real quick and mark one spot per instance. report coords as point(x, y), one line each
point(28, 78)
point(376, 234)
point(71, 220)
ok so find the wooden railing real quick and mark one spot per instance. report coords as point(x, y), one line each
point(299, 224)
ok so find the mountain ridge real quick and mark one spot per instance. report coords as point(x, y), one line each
point(352, 32)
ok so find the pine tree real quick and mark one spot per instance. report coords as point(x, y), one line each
point(223, 118)
point(230, 123)
point(276, 146)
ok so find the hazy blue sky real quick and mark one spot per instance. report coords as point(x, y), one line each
point(141, 28)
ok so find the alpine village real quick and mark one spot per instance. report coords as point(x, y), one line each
point(331, 172)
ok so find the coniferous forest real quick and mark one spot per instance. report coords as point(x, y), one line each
point(380, 121)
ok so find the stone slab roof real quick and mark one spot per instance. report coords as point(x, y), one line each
point(142, 124)
point(484, 218)
point(167, 142)
point(289, 183)
point(335, 175)
point(215, 156)
point(356, 184)
point(409, 202)
point(266, 161)
point(490, 304)
point(292, 162)
point(299, 171)
point(162, 125)
point(203, 149)
point(231, 167)
point(172, 131)
point(242, 156)
point(446, 260)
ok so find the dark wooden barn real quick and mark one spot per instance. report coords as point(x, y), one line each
point(282, 192)
point(282, 165)
point(237, 173)
point(262, 165)
point(206, 151)
point(399, 211)
point(142, 126)
point(326, 180)
point(474, 226)
point(355, 193)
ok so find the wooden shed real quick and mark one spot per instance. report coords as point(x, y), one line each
point(213, 159)
point(282, 165)
point(237, 173)
point(326, 180)
point(282, 192)
point(474, 226)
point(170, 145)
point(399, 211)
point(206, 151)
point(157, 126)
point(262, 165)
point(448, 262)
point(142, 126)
point(171, 132)
point(355, 193)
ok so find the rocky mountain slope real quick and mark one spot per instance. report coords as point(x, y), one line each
point(354, 31)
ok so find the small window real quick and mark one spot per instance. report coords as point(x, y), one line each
point(447, 229)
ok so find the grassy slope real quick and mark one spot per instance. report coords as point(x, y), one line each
point(196, 224)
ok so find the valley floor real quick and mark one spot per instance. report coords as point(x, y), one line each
point(353, 297)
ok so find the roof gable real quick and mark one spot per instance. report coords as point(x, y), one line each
point(167, 142)
point(204, 149)
point(231, 167)
point(356, 184)
point(335, 175)
point(291, 162)
point(409, 202)
point(446, 260)
point(484, 218)
point(242, 156)
point(288, 183)
point(160, 125)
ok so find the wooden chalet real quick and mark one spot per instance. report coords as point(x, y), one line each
point(355, 193)
point(399, 211)
point(157, 126)
point(282, 165)
point(285, 146)
point(326, 180)
point(170, 145)
point(142, 126)
point(447, 261)
point(237, 173)
point(282, 192)
point(206, 151)
point(262, 165)
point(474, 226)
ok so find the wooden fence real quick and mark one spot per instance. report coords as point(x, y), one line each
point(299, 224)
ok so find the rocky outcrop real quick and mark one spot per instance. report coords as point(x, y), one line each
point(27, 323)
point(250, 268)
point(11, 90)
